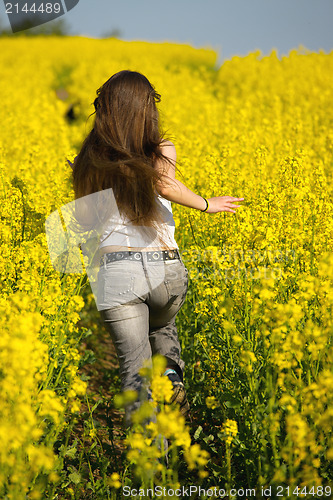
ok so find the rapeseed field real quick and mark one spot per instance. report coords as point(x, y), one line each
point(256, 327)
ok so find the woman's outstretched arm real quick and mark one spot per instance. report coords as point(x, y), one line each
point(174, 190)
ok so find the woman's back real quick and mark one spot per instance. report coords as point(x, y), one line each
point(120, 234)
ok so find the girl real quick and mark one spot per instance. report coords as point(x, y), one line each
point(143, 280)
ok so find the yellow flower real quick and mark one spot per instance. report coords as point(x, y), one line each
point(194, 455)
point(162, 389)
point(125, 398)
point(237, 339)
point(114, 480)
point(230, 429)
point(211, 402)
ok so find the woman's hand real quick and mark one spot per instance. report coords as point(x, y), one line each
point(222, 204)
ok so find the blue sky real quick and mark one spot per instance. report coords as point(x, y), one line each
point(231, 27)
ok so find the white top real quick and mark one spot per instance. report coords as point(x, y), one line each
point(119, 231)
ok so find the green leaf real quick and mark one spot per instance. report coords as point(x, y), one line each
point(71, 452)
point(96, 404)
point(216, 469)
point(197, 432)
point(75, 477)
point(209, 438)
point(232, 403)
point(87, 333)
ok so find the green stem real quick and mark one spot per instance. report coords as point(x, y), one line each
point(228, 465)
point(312, 243)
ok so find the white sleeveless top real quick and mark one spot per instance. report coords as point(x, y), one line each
point(119, 231)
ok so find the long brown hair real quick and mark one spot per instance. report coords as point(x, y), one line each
point(120, 150)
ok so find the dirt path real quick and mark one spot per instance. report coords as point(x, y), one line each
point(103, 384)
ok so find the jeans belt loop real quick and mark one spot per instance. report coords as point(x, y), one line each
point(104, 261)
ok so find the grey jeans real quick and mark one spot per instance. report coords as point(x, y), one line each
point(140, 302)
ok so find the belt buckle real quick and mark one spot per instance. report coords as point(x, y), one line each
point(156, 255)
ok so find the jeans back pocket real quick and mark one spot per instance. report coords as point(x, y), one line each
point(176, 281)
point(117, 287)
